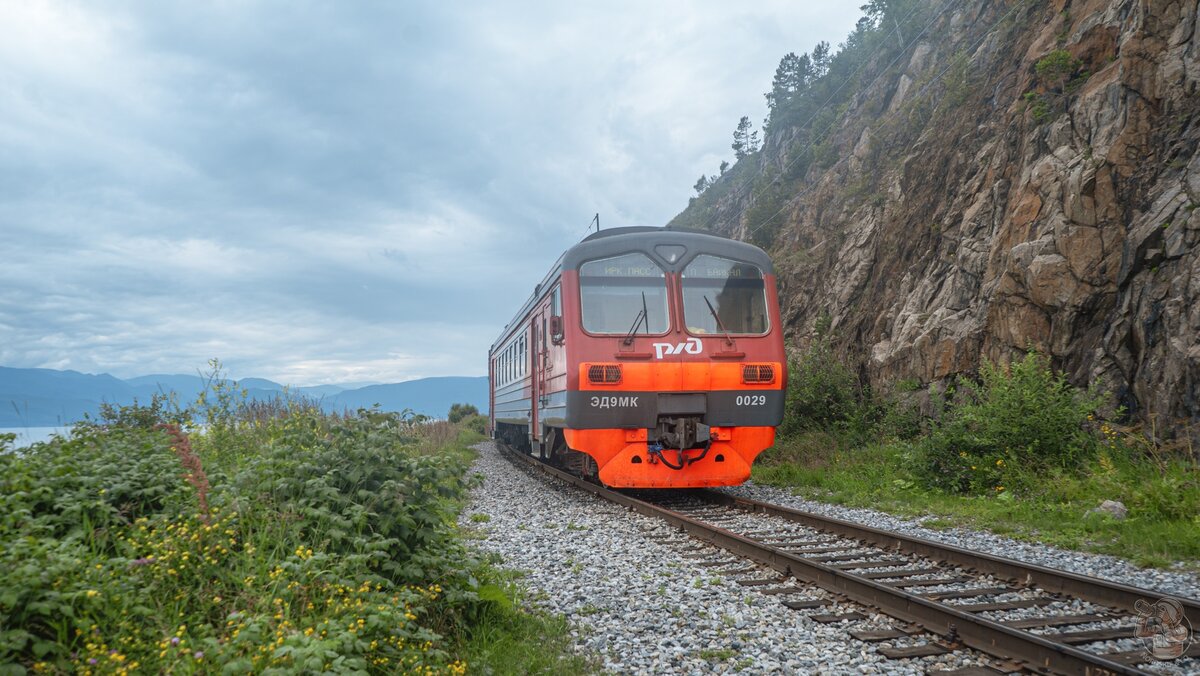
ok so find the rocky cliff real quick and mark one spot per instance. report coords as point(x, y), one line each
point(979, 201)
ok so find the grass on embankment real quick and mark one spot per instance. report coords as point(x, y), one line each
point(1162, 496)
point(280, 540)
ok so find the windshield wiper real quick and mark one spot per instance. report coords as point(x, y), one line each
point(720, 324)
point(644, 315)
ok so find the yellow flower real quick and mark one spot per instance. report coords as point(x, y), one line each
point(1000, 463)
point(92, 592)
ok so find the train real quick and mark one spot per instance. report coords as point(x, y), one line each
point(647, 357)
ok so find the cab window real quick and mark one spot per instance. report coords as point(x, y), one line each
point(722, 295)
point(622, 295)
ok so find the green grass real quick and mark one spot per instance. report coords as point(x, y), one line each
point(717, 654)
point(1163, 497)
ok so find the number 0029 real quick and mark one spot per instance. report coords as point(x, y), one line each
point(751, 400)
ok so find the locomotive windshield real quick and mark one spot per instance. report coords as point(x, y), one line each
point(623, 295)
point(722, 295)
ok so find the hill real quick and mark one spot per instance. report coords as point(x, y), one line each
point(48, 397)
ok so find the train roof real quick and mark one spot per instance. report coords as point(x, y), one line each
point(617, 241)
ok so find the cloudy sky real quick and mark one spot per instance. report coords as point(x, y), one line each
point(344, 192)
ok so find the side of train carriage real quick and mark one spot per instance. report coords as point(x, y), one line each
point(647, 357)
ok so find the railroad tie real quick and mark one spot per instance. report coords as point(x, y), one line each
point(1004, 605)
point(920, 650)
point(876, 635)
point(830, 618)
point(1054, 621)
point(807, 604)
point(966, 593)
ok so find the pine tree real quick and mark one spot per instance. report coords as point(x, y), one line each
point(724, 166)
point(821, 59)
point(701, 185)
point(741, 138)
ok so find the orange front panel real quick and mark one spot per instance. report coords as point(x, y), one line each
point(624, 461)
point(679, 377)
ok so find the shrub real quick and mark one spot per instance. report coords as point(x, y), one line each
point(1019, 419)
point(823, 393)
point(329, 546)
point(460, 411)
point(477, 424)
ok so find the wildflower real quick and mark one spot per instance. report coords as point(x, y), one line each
point(92, 592)
point(174, 640)
point(92, 660)
point(999, 488)
point(1000, 462)
point(199, 654)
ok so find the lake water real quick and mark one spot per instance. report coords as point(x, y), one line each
point(32, 435)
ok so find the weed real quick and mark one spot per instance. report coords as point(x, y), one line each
point(717, 654)
point(480, 518)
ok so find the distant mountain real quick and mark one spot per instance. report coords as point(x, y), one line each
point(430, 396)
point(47, 397)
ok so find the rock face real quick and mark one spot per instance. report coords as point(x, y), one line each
point(975, 211)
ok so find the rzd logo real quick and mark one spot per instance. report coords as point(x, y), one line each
point(690, 346)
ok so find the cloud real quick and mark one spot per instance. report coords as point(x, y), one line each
point(333, 191)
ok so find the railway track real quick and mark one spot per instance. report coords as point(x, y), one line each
point(1026, 617)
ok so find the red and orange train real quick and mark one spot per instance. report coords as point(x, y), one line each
point(647, 357)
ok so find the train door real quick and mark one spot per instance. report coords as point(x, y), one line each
point(535, 381)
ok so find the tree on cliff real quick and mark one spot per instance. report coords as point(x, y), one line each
point(744, 141)
point(791, 79)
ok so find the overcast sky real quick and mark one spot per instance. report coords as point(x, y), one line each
point(344, 191)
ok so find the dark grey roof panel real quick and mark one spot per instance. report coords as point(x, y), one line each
point(617, 241)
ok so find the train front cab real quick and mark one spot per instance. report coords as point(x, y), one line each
point(676, 369)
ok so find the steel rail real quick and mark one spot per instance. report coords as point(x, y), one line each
point(1096, 590)
point(1030, 650)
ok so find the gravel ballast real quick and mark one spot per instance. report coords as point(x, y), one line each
point(638, 598)
point(645, 598)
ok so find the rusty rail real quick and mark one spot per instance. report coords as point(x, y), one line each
point(1096, 590)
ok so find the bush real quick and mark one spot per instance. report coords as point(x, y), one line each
point(477, 424)
point(460, 411)
point(822, 393)
point(328, 545)
point(1018, 420)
